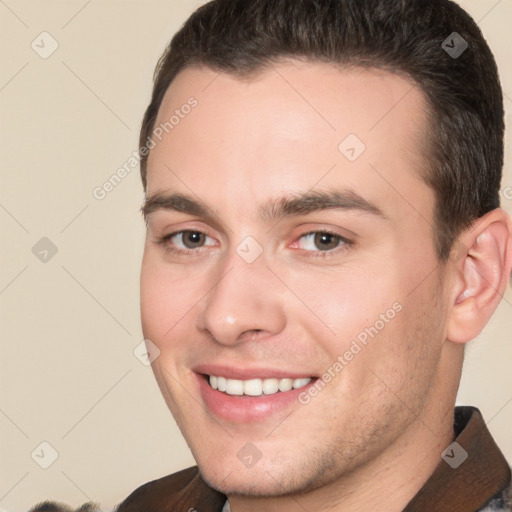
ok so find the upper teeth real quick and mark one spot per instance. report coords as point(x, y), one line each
point(255, 387)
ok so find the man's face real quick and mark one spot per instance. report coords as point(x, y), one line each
point(296, 248)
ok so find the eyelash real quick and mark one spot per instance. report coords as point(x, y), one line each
point(200, 251)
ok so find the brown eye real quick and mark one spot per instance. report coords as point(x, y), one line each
point(188, 242)
point(193, 239)
point(321, 242)
point(326, 241)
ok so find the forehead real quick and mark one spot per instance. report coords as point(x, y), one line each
point(290, 128)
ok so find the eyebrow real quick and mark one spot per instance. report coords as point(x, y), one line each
point(177, 203)
point(313, 201)
point(272, 210)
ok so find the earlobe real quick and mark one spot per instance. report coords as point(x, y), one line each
point(482, 274)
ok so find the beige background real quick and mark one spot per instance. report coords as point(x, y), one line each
point(70, 325)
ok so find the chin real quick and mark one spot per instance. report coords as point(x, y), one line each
point(244, 483)
point(266, 480)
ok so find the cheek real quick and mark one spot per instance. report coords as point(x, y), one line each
point(345, 301)
point(406, 355)
point(153, 300)
point(161, 300)
point(364, 320)
point(168, 298)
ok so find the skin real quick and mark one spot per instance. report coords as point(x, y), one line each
point(379, 426)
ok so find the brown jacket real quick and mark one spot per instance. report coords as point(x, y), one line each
point(481, 482)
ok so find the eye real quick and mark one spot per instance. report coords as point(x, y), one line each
point(321, 241)
point(186, 241)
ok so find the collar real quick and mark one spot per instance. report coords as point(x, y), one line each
point(467, 487)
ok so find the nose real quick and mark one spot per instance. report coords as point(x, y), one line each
point(244, 301)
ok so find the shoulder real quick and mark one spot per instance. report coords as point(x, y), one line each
point(181, 491)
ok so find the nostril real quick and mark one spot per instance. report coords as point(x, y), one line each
point(252, 335)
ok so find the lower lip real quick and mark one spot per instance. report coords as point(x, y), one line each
point(247, 409)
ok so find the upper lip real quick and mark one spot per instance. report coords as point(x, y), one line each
point(241, 373)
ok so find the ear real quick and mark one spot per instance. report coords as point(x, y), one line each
point(482, 266)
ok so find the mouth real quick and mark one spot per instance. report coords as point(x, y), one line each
point(256, 398)
point(255, 387)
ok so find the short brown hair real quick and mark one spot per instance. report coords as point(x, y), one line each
point(463, 92)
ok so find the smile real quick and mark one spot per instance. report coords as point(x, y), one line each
point(255, 387)
point(237, 393)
